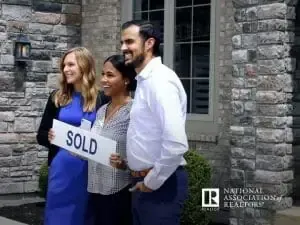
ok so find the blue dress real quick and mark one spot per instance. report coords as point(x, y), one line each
point(67, 196)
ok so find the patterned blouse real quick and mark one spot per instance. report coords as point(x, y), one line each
point(103, 179)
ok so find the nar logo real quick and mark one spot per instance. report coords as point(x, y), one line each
point(210, 197)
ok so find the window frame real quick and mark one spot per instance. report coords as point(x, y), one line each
point(207, 122)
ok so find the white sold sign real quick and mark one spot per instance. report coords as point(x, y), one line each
point(83, 143)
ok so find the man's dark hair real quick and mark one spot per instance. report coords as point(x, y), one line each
point(127, 71)
point(147, 30)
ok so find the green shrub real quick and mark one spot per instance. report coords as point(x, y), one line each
point(43, 180)
point(199, 174)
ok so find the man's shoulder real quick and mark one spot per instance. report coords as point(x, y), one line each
point(162, 75)
point(163, 67)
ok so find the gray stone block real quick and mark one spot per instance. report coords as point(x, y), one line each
point(243, 142)
point(237, 41)
point(243, 164)
point(275, 83)
point(273, 163)
point(240, 56)
point(273, 110)
point(276, 37)
point(270, 97)
point(279, 190)
point(273, 149)
point(236, 174)
point(250, 27)
point(3, 127)
point(16, 12)
point(271, 52)
point(47, 18)
point(14, 161)
point(5, 151)
point(275, 66)
point(7, 188)
point(42, 66)
point(24, 124)
point(272, 25)
point(70, 19)
point(43, 6)
point(271, 122)
point(31, 186)
point(17, 2)
point(244, 3)
point(66, 30)
point(270, 135)
point(71, 8)
point(7, 60)
point(269, 177)
point(272, 11)
point(237, 108)
point(37, 28)
point(7, 116)
point(249, 40)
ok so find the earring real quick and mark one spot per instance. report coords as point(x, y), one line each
point(126, 83)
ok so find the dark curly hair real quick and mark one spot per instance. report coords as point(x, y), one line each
point(127, 71)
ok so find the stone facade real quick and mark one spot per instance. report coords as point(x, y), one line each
point(261, 127)
point(101, 28)
point(53, 27)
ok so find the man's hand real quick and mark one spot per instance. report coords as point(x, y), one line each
point(140, 186)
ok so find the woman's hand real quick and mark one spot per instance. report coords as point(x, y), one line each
point(51, 135)
point(117, 162)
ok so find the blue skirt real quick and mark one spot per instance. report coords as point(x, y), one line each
point(67, 196)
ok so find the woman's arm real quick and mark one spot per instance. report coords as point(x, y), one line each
point(46, 122)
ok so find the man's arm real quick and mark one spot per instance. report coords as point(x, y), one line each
point(168, 110)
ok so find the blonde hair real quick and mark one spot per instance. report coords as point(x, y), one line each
point(89, 89)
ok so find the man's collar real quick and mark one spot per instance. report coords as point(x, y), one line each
point(146, 71)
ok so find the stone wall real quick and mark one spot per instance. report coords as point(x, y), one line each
point(261, 134)
point(101, 20)
point(52, 27)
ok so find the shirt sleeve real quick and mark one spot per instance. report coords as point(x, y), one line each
point(166, 106)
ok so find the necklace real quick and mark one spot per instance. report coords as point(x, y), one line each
point(110, 112)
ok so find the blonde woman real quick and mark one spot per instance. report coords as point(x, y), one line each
point(77, 98)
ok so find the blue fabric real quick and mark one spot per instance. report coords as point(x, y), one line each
point(163, 206)
point(67, 196)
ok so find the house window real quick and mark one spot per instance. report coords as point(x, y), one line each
point(188, 46)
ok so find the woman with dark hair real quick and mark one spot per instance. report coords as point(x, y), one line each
point(109, 185)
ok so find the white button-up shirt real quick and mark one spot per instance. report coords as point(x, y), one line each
point(156, 136)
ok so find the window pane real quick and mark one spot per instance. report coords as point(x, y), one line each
point(201, 23)
point(140, 16)
point(183, 24)
point(182, 60)
point(187, 87)
point(157, 18)
point(156, 4)
point(183, 3)
point(201, 60)
point(200, 96)
point(140, 5)
point(198, 2)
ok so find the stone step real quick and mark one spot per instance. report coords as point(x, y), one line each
point(289, 216)
point(5, 221)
